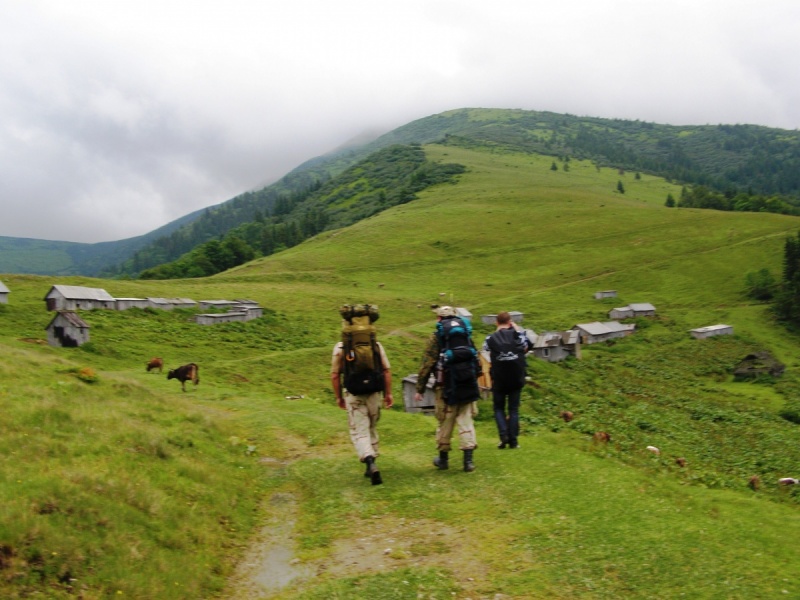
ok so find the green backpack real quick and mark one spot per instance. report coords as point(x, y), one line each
point(363, 369)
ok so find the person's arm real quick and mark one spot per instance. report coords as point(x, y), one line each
point(429, 360)
point(388, 399)
point(336, 382)
point(336, 376)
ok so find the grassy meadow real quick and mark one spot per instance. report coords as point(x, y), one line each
point(117, 484)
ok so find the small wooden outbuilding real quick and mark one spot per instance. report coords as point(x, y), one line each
point(4, 292)
point(516, 316)
point(605, 294)
point(73, 297)
point(160, 303)
point(592, 333)
point(182, 302)
point(67, 330)
point(463, 312)
point(126, 303)
point(428, 402)
point(710, 331)
point(642, 309)
point(555, 346)
point(220, 304)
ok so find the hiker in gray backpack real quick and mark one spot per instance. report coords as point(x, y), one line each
point(507, 348)
point(456, 367)
point(360, 376)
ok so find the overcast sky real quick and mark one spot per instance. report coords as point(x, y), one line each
point(119, 116)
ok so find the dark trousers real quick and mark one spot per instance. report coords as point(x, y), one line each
point(507, 422)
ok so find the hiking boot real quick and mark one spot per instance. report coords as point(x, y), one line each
point(440, 462)
point(513, 443)
point(469, 466)
point(502, 444)
point(373, 472)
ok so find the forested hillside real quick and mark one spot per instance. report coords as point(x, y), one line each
point(724, 166)
point(758, 166)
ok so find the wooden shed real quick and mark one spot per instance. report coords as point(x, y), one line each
point(72, 297)
point(182, 302)
point(592, 333)
point(220, 304)
point(463, 312)
point(711, 330)
point(641, 309)
point(126, 303)
point(67, 330)
point(428, 402)
point(555, 346)
point(160, 303)
point(516, 316)
point(4, 292)
point(605, 294)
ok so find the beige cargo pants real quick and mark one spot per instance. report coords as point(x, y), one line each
point(458, 417)
point(363, 414)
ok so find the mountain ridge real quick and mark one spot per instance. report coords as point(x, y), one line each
point(727, 158)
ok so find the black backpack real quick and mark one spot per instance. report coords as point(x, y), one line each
point(507, 350)
point(459, 361)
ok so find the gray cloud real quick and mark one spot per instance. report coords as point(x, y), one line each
point(118, 117)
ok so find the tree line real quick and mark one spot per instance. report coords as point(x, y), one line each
point(386, 178)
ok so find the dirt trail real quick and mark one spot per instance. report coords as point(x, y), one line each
point(380, 543)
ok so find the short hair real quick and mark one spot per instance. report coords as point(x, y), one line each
point(503, 318)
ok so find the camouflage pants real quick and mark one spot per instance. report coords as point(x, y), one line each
point(363, 413)
point(458, 417)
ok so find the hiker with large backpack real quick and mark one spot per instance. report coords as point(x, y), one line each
point(507, 347)
point(360, 376)
point(452, 359)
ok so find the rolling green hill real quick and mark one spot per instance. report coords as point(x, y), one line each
point(733, 160)
point(115, 483)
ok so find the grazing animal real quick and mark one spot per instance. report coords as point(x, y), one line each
point(155, 363)
point(680, 461)
point(567, 416)
point(601, 437)
point(788, 481)
point(654, 450)
point(754, 482)
point(190, 372)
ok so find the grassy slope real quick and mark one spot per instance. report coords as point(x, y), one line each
point(559, 518)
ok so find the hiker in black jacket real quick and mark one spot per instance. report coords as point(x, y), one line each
point(507, 348)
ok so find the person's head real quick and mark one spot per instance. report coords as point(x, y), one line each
point(503, 319)
point(445, 311)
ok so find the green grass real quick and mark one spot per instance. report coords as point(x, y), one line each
point(113, 480)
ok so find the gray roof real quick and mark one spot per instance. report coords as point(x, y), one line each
point(711, 328)
point(71, 317)
point(642, 306)
point(598, 328)
point(594, 328)
point(3, 288)
point(75, 292)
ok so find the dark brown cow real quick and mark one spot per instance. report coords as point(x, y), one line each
point(155, 363)
point(190, 372)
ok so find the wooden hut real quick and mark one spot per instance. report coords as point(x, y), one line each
point(605, 294)
point(592, 333)
point(126, 303)
point(160, 303)
point(67, 330)
point(555, 346)
point(217, 318)
point(642, 309)
point(711, 330)
point(72, 297)
point(428, 402)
